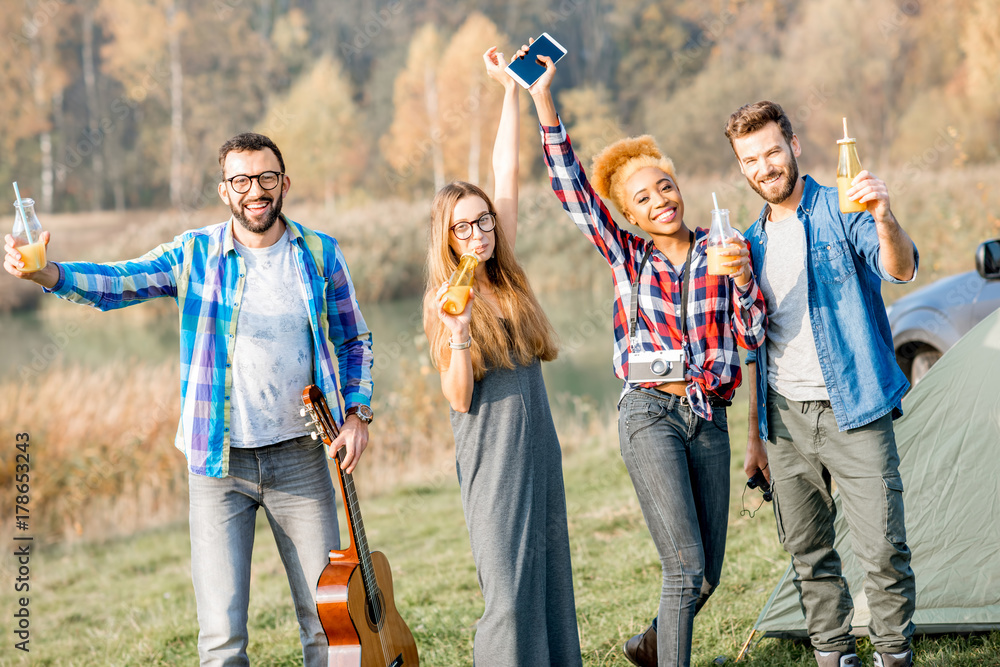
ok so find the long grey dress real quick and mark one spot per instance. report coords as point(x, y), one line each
point(510, 470)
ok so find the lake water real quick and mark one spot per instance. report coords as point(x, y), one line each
point(70, 334)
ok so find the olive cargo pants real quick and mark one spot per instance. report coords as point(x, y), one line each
point(806, 451)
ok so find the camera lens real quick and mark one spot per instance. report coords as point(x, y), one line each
point(659, 367)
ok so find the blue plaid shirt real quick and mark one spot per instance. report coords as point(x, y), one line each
point(205, 275)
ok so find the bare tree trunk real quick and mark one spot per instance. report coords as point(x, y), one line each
point(475, 138)
point(431, 103)
point(93, 109)
point(45, 137)
point(117, 182)
point(59, 123)
point(176, 109)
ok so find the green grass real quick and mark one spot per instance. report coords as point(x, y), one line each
point(130, 602)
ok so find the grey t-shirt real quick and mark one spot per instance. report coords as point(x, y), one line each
point(793, 368)
point(273, 354)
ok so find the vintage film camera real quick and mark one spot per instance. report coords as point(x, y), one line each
point(656, 366)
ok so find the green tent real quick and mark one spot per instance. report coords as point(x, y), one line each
point(949, 449)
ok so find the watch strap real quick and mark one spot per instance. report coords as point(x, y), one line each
point(363, 412)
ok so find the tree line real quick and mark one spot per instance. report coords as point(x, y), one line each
point(119, 104)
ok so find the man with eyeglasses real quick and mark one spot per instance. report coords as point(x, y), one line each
point(259, 296)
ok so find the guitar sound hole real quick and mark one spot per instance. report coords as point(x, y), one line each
point(375, 613)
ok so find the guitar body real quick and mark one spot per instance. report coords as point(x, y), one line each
point(354, 595)
point(355, 639)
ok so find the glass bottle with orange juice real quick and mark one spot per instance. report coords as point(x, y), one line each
point(28, 236)
point(460, 284)
point(848, 166)
point(718, 246)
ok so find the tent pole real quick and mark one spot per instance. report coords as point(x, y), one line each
point(746, 646)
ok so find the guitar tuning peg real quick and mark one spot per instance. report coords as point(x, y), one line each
point(302, 412)
point(314, 435)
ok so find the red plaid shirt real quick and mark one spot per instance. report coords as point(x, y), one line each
point(720, 315)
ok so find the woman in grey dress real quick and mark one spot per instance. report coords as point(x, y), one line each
point(507, 452)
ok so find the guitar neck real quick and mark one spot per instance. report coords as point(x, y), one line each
point(356, 526)
point(315, 403)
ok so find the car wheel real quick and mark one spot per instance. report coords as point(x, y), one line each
point(922, 363)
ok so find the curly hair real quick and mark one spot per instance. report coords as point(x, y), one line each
point(613, 166)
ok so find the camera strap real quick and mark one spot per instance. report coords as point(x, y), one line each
point(685, 286)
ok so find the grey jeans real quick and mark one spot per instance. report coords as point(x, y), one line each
point(679, 465)
point(806, 451)
point(291, 481)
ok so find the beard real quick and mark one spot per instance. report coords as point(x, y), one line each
point(779, 191)
point(263, 225)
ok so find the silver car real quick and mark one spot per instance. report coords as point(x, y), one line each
point(927, 322)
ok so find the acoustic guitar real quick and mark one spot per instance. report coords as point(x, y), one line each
point(354, 593)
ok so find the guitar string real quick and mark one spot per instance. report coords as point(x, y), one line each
point(367, 564)
point(364, 551)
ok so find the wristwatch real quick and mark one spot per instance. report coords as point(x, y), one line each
point(363, 412)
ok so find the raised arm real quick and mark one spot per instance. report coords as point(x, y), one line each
point(895, 248)
point(541, 90)
point(505, 148)
point(568, 180)
point(110, 285)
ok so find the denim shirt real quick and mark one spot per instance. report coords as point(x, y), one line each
point(848, 318)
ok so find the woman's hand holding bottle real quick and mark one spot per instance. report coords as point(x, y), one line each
point(459, 325)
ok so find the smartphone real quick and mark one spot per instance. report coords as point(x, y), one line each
point(527, 70)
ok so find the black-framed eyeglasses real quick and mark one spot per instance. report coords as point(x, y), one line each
point(267, 180)
point(486, 223)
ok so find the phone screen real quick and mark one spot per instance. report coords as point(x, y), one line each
point(527, 70)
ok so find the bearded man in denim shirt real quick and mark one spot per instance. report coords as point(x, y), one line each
point(262, 301)
point(828, 386)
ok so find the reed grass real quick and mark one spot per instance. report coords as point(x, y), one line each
point(102, 449)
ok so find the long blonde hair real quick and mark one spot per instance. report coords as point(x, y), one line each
point(531, 334)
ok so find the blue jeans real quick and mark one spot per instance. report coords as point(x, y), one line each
point(291, 481)
point(679, 465)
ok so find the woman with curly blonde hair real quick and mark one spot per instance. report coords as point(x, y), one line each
point(507, 453)
point(673, 435)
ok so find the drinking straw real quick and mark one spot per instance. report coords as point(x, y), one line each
point(845, 128)
point(716, 200)
point(24, 219)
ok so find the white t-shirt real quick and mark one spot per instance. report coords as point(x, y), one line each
point(273, 354)
point(793, 368)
